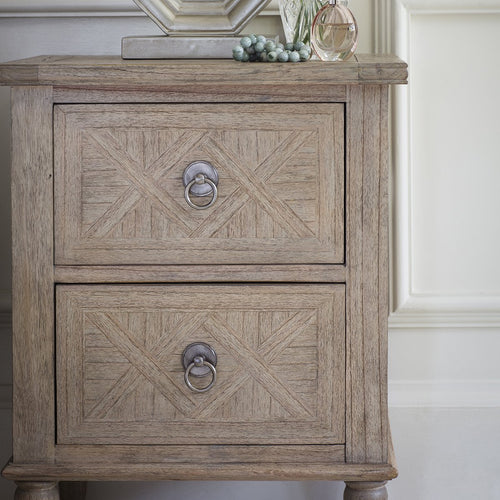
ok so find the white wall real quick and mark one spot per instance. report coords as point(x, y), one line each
point(446, 276)
point(445, 321)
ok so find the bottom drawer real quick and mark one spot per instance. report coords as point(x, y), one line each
point(280, 364)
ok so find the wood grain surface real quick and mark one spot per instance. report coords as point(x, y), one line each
point(243, 273)
point(193, 471)
point(114, 72)
point(32, 275)
point(367, 275)
point(286, 275)
point(280, 364)
point(368, 490)
point(191, 453)
point(300, 92)
point(119, 196)
point(36, 491)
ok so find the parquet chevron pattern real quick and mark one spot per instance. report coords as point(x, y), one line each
point(127, 203)
point(272, 347)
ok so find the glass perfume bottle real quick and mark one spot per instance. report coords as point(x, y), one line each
point(334, 33)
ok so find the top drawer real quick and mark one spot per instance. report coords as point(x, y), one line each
point(119, 193)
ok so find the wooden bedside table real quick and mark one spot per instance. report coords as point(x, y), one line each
point(200, 272)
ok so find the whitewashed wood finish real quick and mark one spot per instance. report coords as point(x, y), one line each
point(314, 273)
point(365, 490)
point(32, 275)
point(27, 490)
point(362, 360)
point(367, 279)
point(119, 197)
point(194, 471)
point(280, 364)
point(111, 72)
point(220, 454)
point(300, 92)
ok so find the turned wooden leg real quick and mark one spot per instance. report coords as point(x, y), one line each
point(27, 490)
point(72, 490)
point(365, 491)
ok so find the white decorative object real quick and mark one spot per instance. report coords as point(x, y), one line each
point(206, 18)
point(206, 28)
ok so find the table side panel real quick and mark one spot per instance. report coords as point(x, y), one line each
point(367, 275)
point(32, 275)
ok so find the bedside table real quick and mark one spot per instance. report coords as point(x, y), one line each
point(200, 272)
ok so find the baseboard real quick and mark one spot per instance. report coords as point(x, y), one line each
point(444, 393)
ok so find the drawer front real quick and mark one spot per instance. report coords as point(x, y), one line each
point(120, 197)
point(280, 364)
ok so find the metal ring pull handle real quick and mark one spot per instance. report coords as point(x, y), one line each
point(200, 178)
point(199, 360)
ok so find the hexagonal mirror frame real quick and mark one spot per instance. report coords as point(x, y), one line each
point(201, 17)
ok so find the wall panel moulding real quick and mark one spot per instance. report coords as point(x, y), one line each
point(85, 8)
point(415, 307)
point(40, 8)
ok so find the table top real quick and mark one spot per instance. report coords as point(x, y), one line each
point(115, 72)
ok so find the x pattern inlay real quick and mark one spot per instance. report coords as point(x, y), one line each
point(242, 183)
point(151, 365)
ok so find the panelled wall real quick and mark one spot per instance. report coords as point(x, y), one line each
point(445, 324)
point(445, 320)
